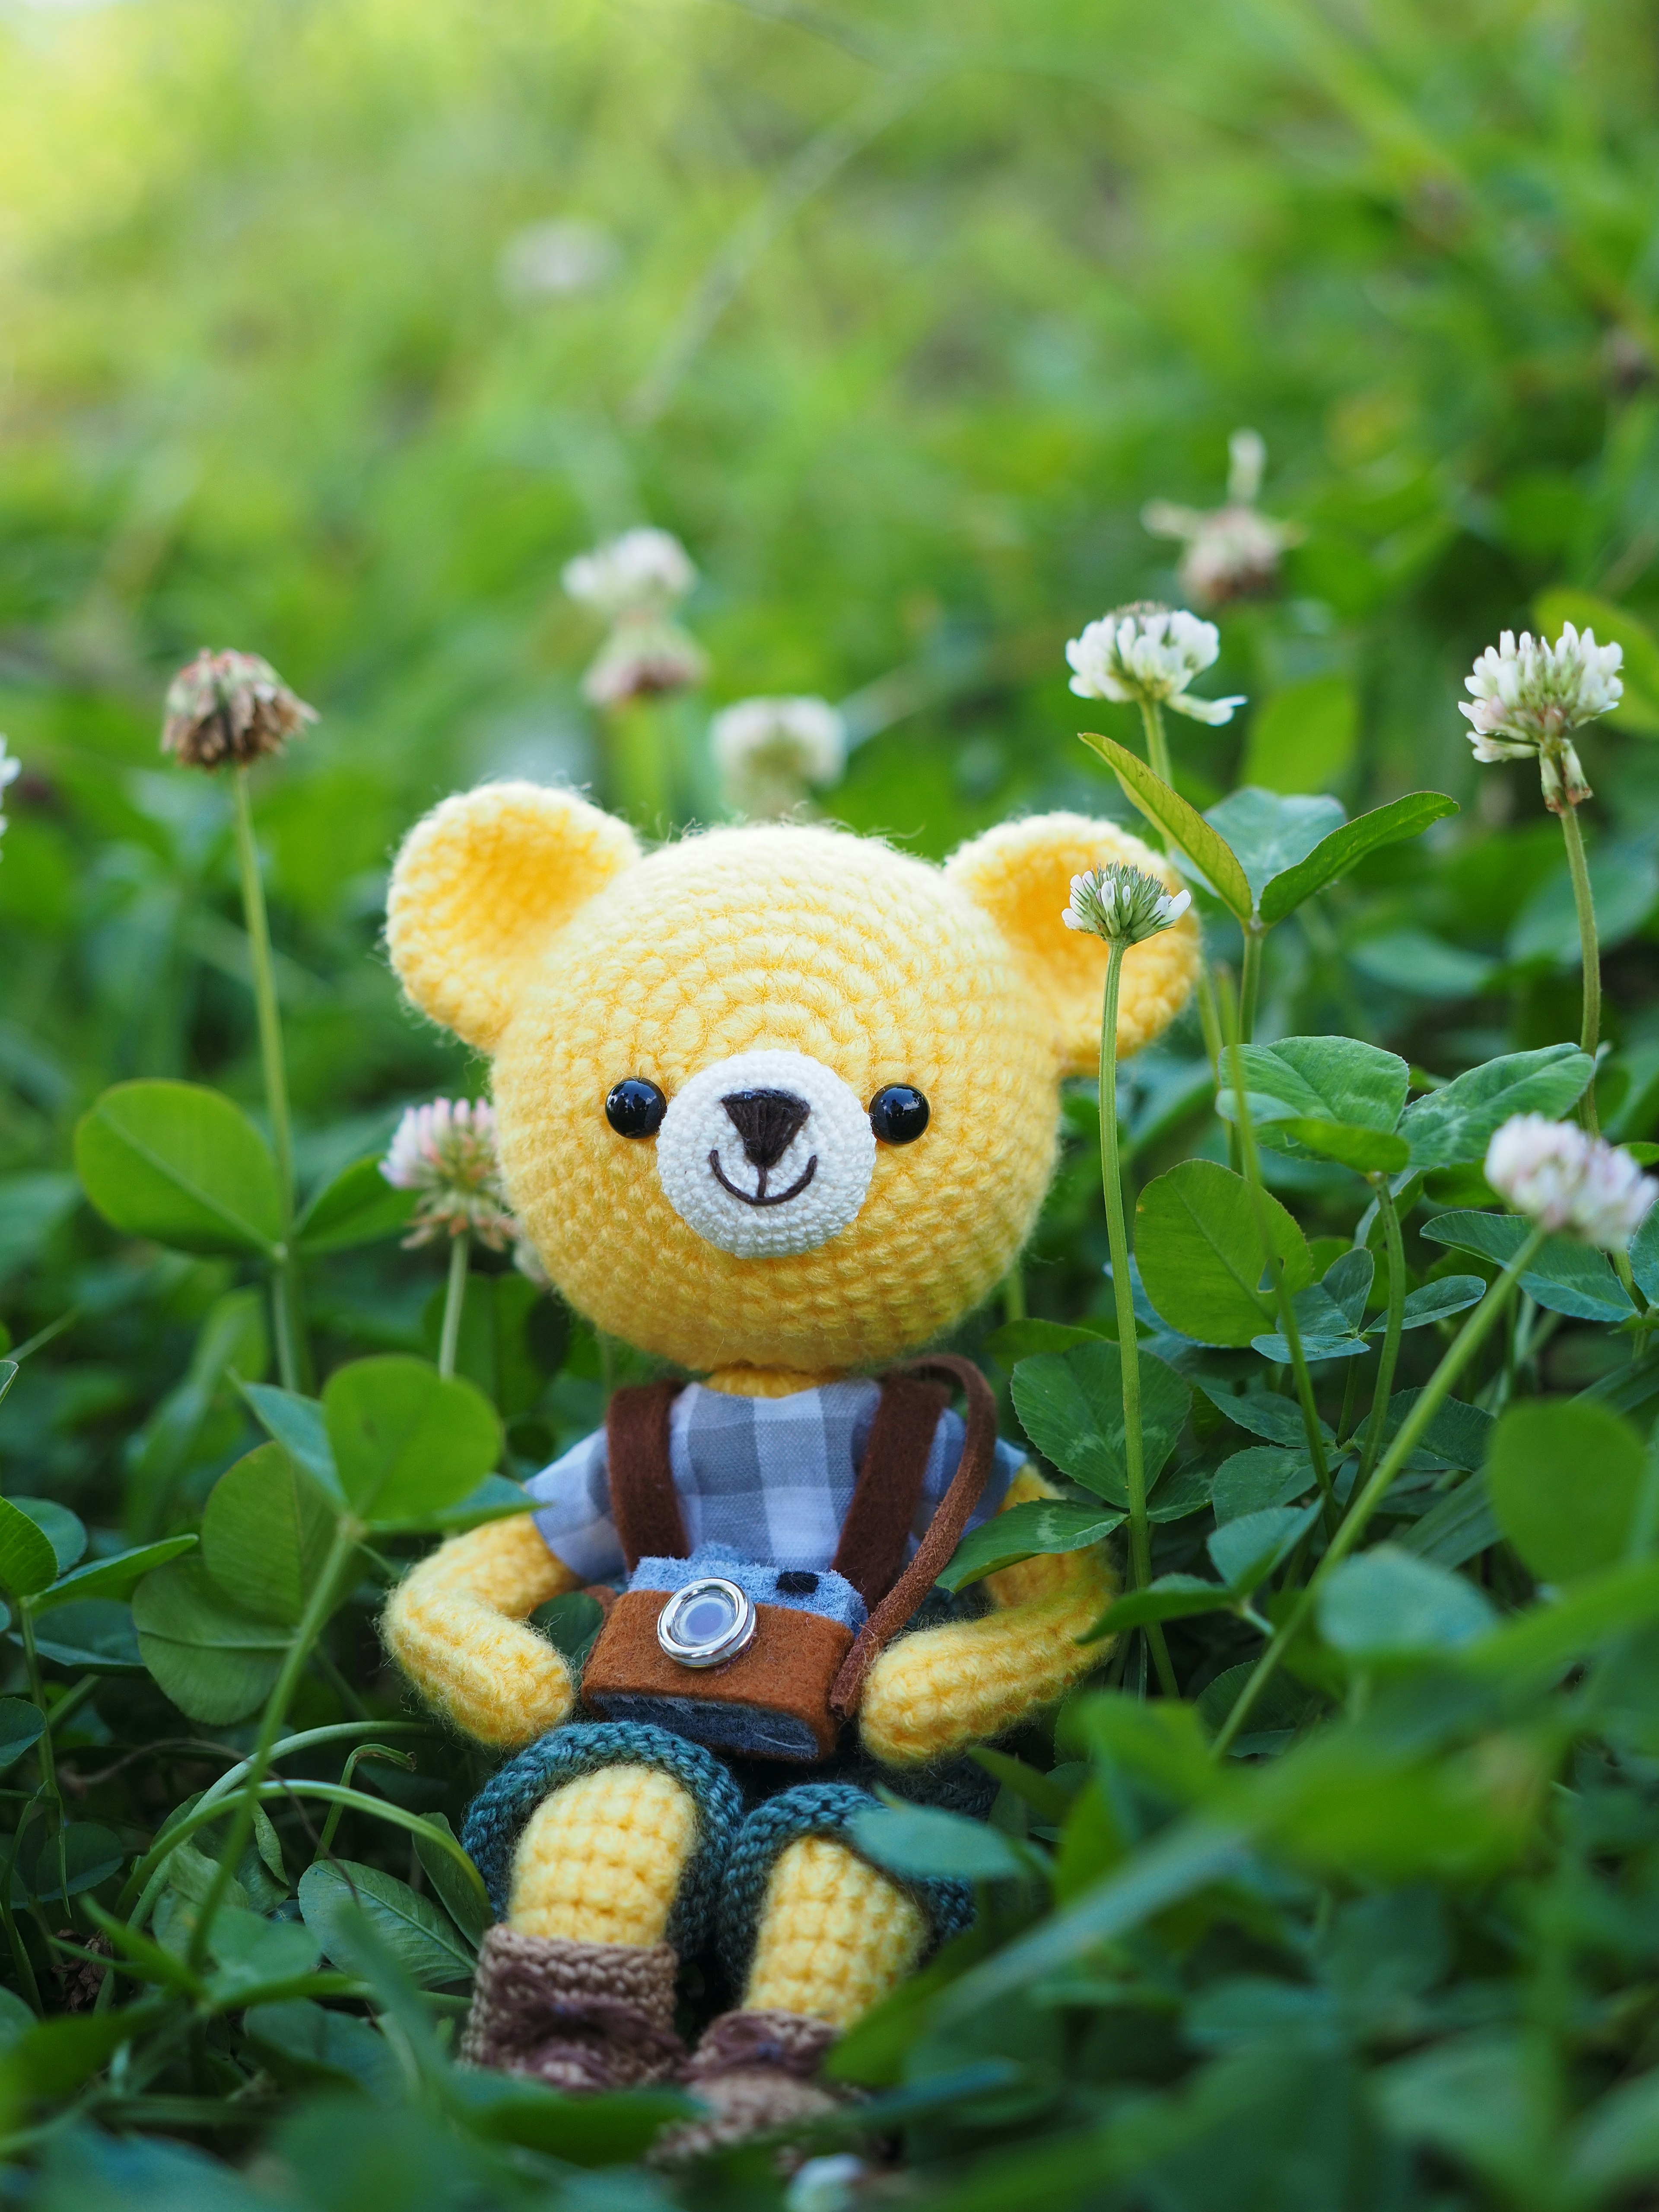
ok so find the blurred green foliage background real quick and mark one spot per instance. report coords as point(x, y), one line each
point(896, 314)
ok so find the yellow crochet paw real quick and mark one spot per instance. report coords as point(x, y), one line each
point(835, 1934)
point(931, 1694)
point(1047, 1574)
point(455, 1627)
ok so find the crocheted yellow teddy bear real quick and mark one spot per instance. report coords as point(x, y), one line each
point(778, 1104)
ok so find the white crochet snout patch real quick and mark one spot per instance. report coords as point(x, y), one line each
point(766, 1153)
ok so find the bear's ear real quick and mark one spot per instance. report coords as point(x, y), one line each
point(480, 887)
point(1021, 875)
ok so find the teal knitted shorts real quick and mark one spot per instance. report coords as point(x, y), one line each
point(720, 1898)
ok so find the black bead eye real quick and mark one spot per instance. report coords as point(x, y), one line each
point(898, 1114)
point(636, 1108)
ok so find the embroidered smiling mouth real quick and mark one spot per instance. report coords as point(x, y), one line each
point(759, 1196)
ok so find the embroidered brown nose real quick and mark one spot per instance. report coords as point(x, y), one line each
point(768, 1122)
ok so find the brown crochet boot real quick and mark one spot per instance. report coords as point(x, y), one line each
point(754, 2071)
point(579, 2016)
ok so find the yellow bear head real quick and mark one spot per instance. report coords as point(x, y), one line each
point(775, 1098)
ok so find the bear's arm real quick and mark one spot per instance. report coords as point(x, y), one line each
point(931, 1693)
point(455, 1626)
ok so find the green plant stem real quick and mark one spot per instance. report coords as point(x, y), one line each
point(19, 1956)
point(639, 764)
point(337, 1811)
point(1209, 1021)
point(1394, 1243)
point(1117, 1232)
point(265, 987)
point(1249, 987)
point(1210, 1011)
point(1158, 756)
point(18, 1950)
point(283, 1791)
point(1583, 899)
point(42, 1337)
point(1013, 1294)
point(43, 1750)
point(293, 1358)
point(1350, 1394)
point(211, 1802)
point(1158, 745)
point(72, 1699)
point(1457, 1357)
point(1275, 1267)
point(460, 1253)
point(317, 1609)
point(14, 1934)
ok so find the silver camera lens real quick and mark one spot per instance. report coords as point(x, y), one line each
point(707, 1622)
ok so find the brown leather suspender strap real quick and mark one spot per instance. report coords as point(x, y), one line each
point(884, 1507)
point(646, 1508)
point(944, 1531)
point(644, 1504)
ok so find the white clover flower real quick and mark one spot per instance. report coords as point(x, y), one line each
point(10, 768)
point(447, 1152)
point(634, 581)
point(644, 656)
point(1148, 652)
point(1232, 552)
point(550, 260)
point(1124, 905)
point(1568, 1183)
point(771, 751)
point(644, 570)
point(1529, 696)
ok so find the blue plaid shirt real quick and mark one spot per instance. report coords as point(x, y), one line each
point(772, 1477)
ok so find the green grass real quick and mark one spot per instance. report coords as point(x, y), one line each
point(898, 316)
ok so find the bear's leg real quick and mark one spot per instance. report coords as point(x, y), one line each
point(600, 1859)
point(836, 1936)
point(577, 1988)
point(825, 1935)
point(601, 1847)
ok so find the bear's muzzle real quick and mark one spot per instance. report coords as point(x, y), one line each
point(766, 1154)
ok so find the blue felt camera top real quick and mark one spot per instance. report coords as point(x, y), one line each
point(802, 1589)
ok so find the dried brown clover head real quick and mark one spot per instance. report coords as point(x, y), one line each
point(230, 707)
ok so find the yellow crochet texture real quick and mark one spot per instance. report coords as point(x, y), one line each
point(524, 920)
point(599, 1861)
point(1013, 872)
point(931, 1693)
point(455, 1626)
point(834, 1937)
point(527, 922)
